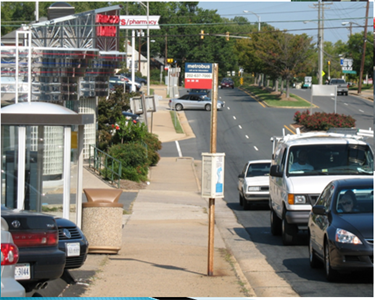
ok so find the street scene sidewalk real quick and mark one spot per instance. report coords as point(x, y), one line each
point(164, 249)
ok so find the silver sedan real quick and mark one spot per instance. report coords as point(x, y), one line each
point(193, 102)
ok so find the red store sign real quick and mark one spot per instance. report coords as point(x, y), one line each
point(106, 30)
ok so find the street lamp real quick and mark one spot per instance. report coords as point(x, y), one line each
point(248, 11)
point(148, 47)
point(350, 25)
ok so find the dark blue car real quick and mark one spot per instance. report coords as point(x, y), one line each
point(341, 226)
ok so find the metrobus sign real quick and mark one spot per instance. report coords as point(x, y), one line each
point(198, 76)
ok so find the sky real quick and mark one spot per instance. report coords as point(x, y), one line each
point(290, 16)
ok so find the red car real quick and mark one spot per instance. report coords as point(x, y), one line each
point(227, 83)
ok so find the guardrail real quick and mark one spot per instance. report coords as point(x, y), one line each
point(105, 165)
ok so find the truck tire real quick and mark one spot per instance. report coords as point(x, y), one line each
point(247, 204)
point(275, 223)
point(288, 232)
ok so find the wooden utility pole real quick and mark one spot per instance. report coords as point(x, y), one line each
point(211, 221)
point(363, 52)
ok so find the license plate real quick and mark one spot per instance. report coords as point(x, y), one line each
point(22, 272)
point(72, 249)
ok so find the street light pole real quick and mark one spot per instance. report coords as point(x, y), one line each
point(248, 11)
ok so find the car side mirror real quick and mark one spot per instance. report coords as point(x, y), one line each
point(274, 171)
point(319, 210)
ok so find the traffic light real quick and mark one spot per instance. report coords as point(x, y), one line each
point(227, 35)
point(169, 60)
point(329, 62)
point(202, 34)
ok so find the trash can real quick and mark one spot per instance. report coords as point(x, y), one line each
point(102, 220)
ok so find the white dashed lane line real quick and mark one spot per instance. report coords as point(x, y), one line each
point(247, 137)
point(361, 110)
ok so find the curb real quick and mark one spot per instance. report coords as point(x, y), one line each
point(250, 277)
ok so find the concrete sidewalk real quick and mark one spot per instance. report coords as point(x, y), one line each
point(164, 249)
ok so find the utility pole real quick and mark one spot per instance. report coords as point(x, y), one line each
point(364, 51)
point(320, 44)
point(321, 38)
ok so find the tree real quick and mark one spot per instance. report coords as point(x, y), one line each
point(284, 54)
point(13, 14)
point(355, 49)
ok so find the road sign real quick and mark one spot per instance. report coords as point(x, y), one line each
point(213, 175)
point(347, 64)
point(349, 72)
point(198, 76)
point(323, 73)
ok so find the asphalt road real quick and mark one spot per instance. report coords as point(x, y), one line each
point(244, 131)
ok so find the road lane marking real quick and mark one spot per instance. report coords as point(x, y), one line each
point(234, 117)
point(361, 110)
point(247, 136)
point(346, 104)
point(228, 108)
point(256, 148)
point(240, 126)
point(178, 149)
point(289, 129)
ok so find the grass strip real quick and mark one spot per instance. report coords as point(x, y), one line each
point(176, 122)
point(275, 100)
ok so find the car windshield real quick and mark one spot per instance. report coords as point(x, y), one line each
point(355, 201)
point(338, 81)
point(337, 159)
point(260, 169)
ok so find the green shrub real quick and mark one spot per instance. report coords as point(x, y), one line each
point(134, 161)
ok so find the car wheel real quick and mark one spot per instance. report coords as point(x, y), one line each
point(346, 94)
point(288, 231)
point(247, 205)
point(232, 87)
point(241, 200)
point(331, 274)
point(178, 107)
point(208, 107)
point(275, 223)
point(313, 259)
